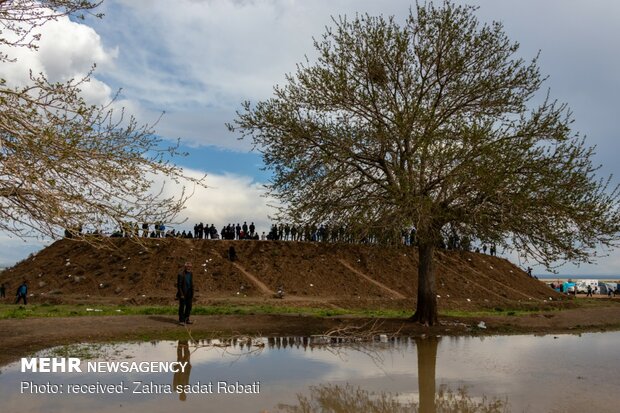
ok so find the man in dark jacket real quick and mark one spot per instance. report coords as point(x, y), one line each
point(22, 293)
point(185, 293)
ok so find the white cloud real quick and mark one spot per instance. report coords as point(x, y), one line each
point(198, 127)
point(228, 199)
point(199, 60)
point(67, 50)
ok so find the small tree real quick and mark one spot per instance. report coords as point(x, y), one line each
point(65, 163)
point(427, 124)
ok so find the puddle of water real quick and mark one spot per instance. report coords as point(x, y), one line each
point(563, 373)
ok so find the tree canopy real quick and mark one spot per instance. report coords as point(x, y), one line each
point(438, 124)
point(65, 163)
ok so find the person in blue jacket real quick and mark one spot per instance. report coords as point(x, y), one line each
point(22, 293)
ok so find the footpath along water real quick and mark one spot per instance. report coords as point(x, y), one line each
point(563, 373)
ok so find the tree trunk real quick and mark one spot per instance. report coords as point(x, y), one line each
point(426, 310)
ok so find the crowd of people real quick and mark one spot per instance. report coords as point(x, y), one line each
point(292, 232)
point(325, 233)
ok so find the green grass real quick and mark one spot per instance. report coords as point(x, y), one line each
point(506, 312)
point(488, 313)
point(85, 351)
point(8, 311)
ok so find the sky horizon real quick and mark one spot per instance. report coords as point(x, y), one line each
point(198, 62)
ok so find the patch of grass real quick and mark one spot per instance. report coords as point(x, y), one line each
point(85, 351)
point(51, 310)
point(66, 310)
point(9, 311)
point(488, 313)
point(520, 310)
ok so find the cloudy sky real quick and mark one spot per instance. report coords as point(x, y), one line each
point(197, 61)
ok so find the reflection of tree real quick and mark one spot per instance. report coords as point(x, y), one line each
point(330, 398)
point(181, 378)
point(427, 358)
point(349, 399)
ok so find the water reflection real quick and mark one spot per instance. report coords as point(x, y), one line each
point(427, 360)
point(451, 374)
point(350, 399)
point(181, 377)
point(346, 399)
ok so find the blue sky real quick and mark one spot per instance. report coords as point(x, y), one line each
point(197, 60)
point(222, 161)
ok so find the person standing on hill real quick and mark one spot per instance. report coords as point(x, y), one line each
point(185, 293)
point(22, 293)
point(2, 291)
point(145, 229)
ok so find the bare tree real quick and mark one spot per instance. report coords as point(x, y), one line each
point(432, 124)
point(65, 163)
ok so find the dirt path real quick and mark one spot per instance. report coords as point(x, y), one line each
point(258, 283)
point(384, 287)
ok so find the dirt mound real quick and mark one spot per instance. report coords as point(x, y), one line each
point(340, 275)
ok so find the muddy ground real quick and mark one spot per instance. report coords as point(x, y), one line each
point(22, 337)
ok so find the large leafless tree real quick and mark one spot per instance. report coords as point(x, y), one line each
point(434, 123)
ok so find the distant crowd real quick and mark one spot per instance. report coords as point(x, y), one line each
point(291, 232)
point(325, 233)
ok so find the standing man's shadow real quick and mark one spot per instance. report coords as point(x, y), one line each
point(163, 319)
